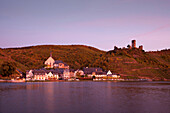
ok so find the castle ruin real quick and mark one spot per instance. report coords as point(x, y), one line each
point(133, 43)
point(141, 47)
point(132, 46)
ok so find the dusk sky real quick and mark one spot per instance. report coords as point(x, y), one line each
point(98, 23)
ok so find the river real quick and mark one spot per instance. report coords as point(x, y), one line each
point(85, 97)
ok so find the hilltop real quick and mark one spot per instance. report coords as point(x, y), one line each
point(133, 63)
point(34, 56)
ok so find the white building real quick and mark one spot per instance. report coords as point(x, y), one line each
point(80, 72)
point(29, 75)
point(53, 75)
point(109, 73)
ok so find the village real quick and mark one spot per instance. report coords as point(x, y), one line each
point(58, 70)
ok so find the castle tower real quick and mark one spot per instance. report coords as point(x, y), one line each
point(141, 47)
point(129, 46)
point(133, 43)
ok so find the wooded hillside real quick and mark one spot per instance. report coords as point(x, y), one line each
point(131, 62)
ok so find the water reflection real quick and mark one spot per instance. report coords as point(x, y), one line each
point(87, 97)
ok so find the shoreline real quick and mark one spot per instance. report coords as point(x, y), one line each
point(119, 80)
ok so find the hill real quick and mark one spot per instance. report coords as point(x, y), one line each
point(132, 63)
point(141, 64)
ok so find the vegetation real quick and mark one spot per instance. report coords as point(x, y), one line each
point(8, 68)
point(127, 62)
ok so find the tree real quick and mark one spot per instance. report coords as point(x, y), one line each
point(78, 74)
point(8, 68)
point(86, 75)
point(115, 47)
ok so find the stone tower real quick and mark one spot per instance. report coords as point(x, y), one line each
point(141, 47)
point(133, 43)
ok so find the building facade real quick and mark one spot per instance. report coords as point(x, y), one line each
point(51, 63)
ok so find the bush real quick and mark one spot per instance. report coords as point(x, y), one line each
point(7, 68)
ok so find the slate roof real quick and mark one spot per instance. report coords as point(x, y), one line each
point(43, 71)
point(59, 61)
point(59, 70)
point(65, 64)
point(72, 70)
point(101, 73)
point(39, 72)
point(19, 71)
point(91, 70)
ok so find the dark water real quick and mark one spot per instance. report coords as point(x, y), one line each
point(85, 97)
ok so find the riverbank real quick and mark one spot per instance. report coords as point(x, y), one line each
point(121, 80)
point(118, 80)
point(77, 80)
point(12, 81)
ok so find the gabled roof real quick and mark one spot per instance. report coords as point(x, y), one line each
point(19, 71)
point(59, 70)
point(72, 70)
point(58, 61)
point(109, 73)
point(39, 72)
point(54, 71)
point(50, 59)
point(65, 64)
point(90, 70)
point(101, 73)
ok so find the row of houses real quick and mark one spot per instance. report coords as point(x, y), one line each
point(57, 70)
point(64, 74)
point(44, 74)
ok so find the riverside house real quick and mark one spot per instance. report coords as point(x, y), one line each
point(97, 72)
point(43, 74)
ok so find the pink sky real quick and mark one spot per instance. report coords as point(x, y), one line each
point(99, 23)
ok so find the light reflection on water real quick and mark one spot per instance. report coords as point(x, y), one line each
point(85, 97)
